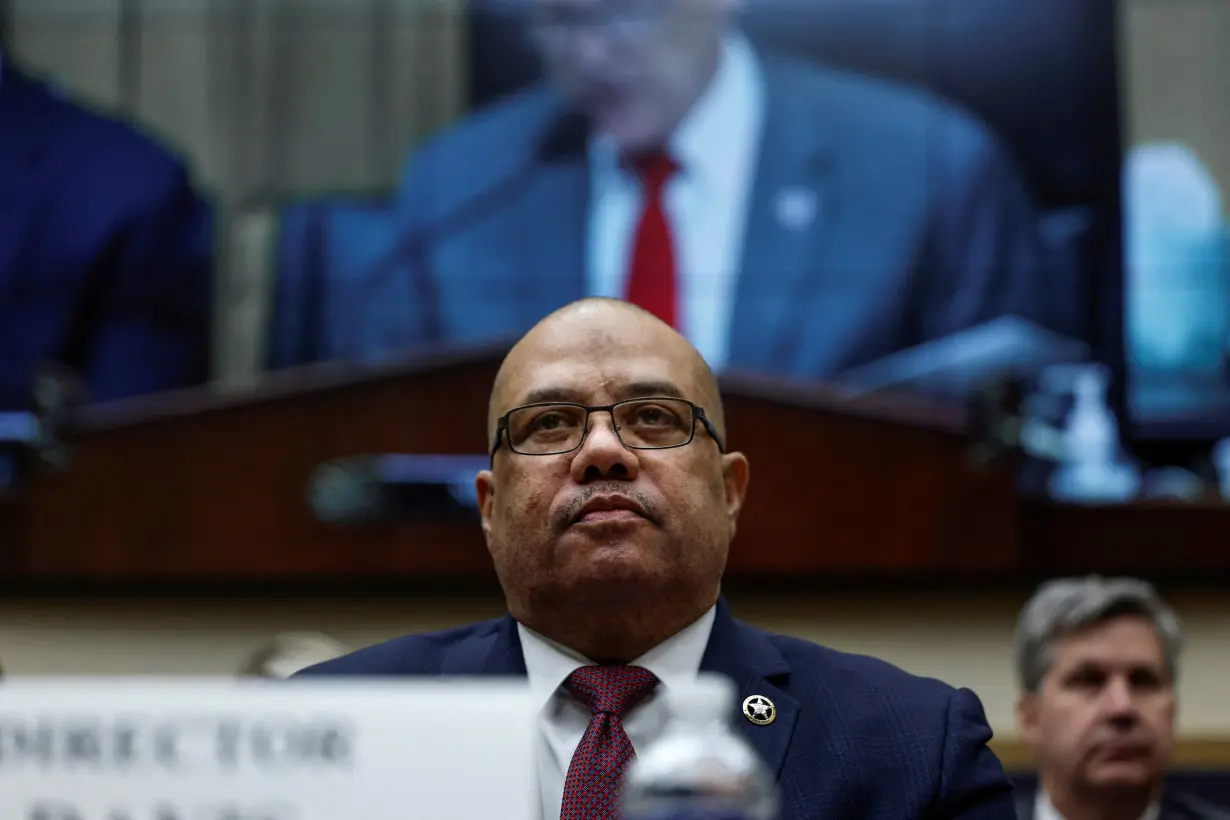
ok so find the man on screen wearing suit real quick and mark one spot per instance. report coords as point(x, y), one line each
point(608, 510)
point(105, 251)
point(783, 216)
point(1097, 660)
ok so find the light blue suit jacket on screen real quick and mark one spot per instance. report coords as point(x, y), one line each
point(923, 227)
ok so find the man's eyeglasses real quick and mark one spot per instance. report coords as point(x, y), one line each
point(553, 428)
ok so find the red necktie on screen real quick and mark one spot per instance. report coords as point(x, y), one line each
point(652, 281)
point(591, 790)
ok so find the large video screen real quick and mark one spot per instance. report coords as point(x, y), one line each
point(914, 196)
point(911, 195)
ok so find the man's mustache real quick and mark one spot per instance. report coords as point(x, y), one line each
point(564, 515)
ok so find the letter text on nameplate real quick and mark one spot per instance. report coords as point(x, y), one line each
point(179, 749)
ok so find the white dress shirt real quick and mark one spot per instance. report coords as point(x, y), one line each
point(564, 719)
point(717, 147)
point(1044, 809)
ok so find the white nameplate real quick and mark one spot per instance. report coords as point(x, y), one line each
point(86, 749)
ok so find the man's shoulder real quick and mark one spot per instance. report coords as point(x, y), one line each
point(864, 106)
point(491, 143)
point(508, 130)
point(880, 721)
point(428, 653)
point(855, 679)
point(65, 125)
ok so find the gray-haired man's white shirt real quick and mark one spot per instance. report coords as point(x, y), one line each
point(1044, 809)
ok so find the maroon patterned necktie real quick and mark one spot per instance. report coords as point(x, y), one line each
point(591, 790)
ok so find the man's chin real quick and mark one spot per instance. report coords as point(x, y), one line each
point(613, 569)
point(1128, 775)
point(615, 561)
point(630, 134)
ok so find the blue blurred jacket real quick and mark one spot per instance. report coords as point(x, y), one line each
point(105, 251)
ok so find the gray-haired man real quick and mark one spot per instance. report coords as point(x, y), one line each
point(1097, 660)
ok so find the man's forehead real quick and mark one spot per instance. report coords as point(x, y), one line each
point(1121, 640)
point(575, 378)
point(599, 331)
point(598, 352)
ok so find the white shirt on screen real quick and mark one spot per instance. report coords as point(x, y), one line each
point(564, 719)
point(718, 148)
point(1044, 809)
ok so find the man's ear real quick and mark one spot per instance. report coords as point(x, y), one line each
point(736, 472)
point(1027, 719)
point(485, 485)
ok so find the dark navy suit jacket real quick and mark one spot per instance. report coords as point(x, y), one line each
point(854, 738)
point(105, 251)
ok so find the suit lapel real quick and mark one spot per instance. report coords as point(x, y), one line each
point(741, 654)
point(495, 652)
point(790, 216)
point(757, 668)
point(503, 655)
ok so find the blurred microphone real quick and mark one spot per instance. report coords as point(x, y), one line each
point(1002, 428)
point(565, 138)
point(958, 365)
point(31, 442)
point(393, 488)
point(19, 433)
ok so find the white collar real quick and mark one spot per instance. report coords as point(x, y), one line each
point(1044, 809)
point(732, 106)
point(675, 661)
